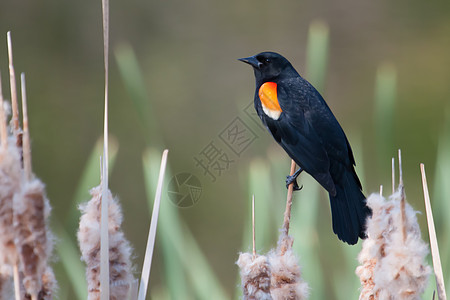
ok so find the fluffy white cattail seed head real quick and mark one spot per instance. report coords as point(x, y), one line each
point(120, 250)
point(255, 276)
point(393, 256)
point(33, 243)
point(286, 281)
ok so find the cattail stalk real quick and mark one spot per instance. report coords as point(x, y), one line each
point(104, 248)
point(287, 212)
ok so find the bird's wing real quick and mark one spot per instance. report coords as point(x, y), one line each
point(299, 139)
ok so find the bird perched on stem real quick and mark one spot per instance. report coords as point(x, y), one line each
point(301, 122)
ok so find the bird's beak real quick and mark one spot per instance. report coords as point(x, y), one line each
point(251, 61)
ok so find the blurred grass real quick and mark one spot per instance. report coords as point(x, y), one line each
point(132, 78)
point(440, 200)
point(385, 95)
point(317, 47)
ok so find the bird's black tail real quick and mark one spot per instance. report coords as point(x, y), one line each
point(348, 209)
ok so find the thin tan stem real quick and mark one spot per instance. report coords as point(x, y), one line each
point(403, 196)
point(12, 82)
point(104, 249)
point(287, 212)
point(26, 132)
point(393, 175)
point(3, 127)
point(381, 190)
point(433, 239)
point(253, 226)
point(400, 168)
point(16, 281)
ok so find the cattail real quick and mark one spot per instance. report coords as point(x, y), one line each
point(278, 272)
point(286, 281)
point(255, 276)
point(120, 268)
point(393, 256)
point(33, 240)
point(10, 178)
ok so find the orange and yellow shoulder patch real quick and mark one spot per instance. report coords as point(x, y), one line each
point(269, 100)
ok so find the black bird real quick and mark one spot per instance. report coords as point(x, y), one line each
point(300, 121)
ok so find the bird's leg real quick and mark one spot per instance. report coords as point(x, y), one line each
point(293, 179)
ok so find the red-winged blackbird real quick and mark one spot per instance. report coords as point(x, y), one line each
point(302, 123)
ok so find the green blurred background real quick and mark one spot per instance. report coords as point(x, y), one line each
point(194, 88)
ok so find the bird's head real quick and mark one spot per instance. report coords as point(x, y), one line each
point(269, 66)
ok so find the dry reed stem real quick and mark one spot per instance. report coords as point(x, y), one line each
point(393, 175)
point(104, 247)
point(403, 196)
point(12, 81)
point(120, 276)
point(26, 148)
point(433, 239)
point(17, 286)
point(3, 126)
point(146, 267)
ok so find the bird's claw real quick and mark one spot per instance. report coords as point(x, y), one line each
point(293, 179)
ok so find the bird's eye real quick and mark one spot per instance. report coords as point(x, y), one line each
point(267, 60)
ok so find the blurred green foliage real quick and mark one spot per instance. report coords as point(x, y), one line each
point(181, 86)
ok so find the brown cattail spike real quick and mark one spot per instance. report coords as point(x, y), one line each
point(34, 246)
